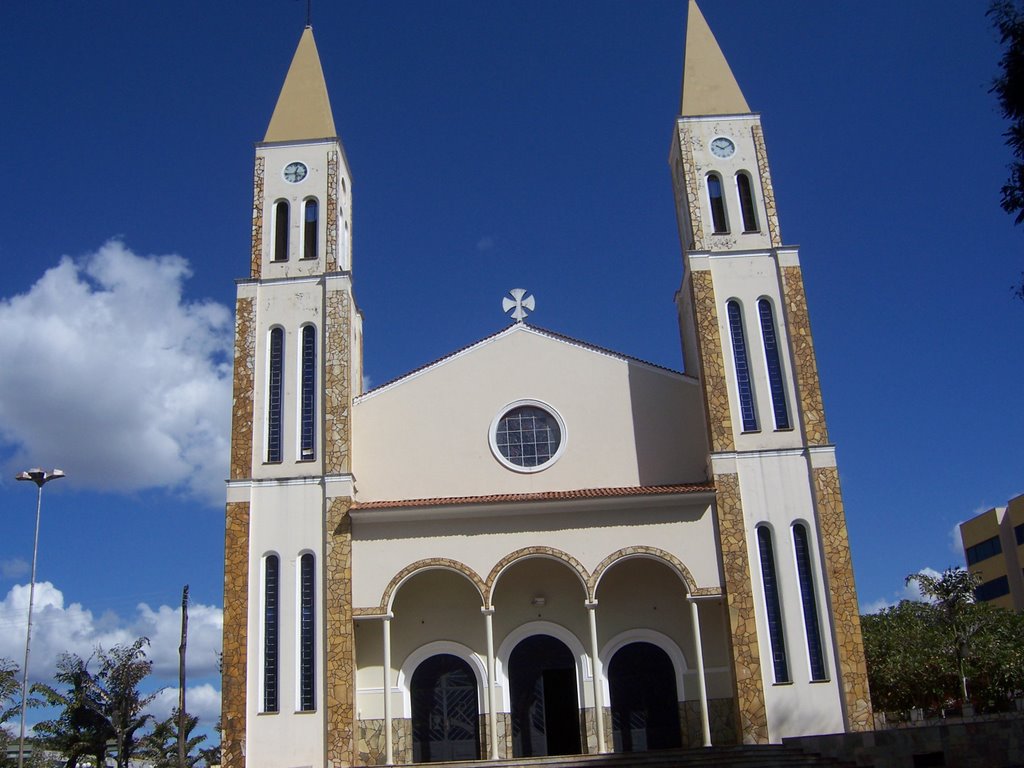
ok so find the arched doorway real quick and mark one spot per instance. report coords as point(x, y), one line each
point(445, 715)
point(545, 702)
point(645, 708)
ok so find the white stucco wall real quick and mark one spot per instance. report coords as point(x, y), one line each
point(626, 423)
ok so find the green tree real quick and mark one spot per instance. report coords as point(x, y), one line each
point(9, 702)
point(160, 746)
point(80, 730)
point(1008, 18)
point(122, 669)
point(909, 664)
point(953, 593)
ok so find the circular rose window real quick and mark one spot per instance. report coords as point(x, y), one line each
point(527, 436)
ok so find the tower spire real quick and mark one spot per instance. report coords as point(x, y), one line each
point(709, 87)
point(303, 108)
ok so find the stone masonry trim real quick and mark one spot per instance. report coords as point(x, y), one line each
point(693, 194)
point(340, 662)
point(332, 210)
point(236, 612)
point(652, 553)
point(842, 592)
point(242, 389)
point(256, 258)
point(337, 397)
point(526, 552)
point(746, 656)
point(798, 326)
point(767, 191)
point(712, 363)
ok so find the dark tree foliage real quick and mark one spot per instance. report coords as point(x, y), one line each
point(160, 746)
point(9, 702)
point(1008, 18)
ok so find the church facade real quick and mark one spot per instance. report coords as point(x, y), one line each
point(607, 556)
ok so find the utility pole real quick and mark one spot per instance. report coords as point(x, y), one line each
point(182, 715)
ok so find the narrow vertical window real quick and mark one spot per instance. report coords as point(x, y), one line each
point(274, 399)
point(772, 605)
point(747, 210)
point(718, 220)
point(744, 386)
point(307, 422)
point(307, 646)
point(281, 230)
point(309, 229)
point(802, 547)
point(271, 631)
point(776, 383)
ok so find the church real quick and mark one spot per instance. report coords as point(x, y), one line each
point(532, 546)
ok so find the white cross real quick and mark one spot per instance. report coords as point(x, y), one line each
point(520, 303)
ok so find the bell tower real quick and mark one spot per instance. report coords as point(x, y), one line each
point(785, 559)
point(297, 366)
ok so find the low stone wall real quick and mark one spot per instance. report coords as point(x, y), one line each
point(995, 741)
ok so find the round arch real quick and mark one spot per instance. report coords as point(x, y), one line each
point(435, 648)
point(650, 553)
point(584, 670)
point(429, 564)
point(526, 553)
point(654, 637)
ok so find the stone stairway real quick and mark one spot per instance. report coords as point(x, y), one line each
point(752, 756)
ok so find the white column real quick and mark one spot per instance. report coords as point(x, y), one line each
point(705, 725)
point(492, 706)
point(595, 663)
point(389, 747)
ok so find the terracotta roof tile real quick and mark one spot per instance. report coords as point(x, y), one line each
point(503, 498)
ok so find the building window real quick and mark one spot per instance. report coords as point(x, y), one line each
point(527, 436)
point(309, 229)
point(983, 550)
point(1019, 533)
point(747, 210)
point(990, 590)
point(274, 395)
point(281, 230)
point(772, 604)
point(776, 383)
point(718, 219)
point(271, 630)
point(802, 546)
point(744, 386)
point(307, 420)
point(307, 626)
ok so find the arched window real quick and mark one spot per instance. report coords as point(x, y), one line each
point(271, 631)
point(718, 220)
point(307, 420)
point(744, 386)
point(310, 222)
point(274, 392)
point(307, 627)
point(802, 547)
point(746, 194)
point(644, 700)
point(281, 230)
point(776, 383)
point(772, 605)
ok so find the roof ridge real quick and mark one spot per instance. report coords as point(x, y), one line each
point(529, 327)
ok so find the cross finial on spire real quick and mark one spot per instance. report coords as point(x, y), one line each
point(520, 304)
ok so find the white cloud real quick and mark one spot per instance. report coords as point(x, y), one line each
point(13, 568)
point(124, 384)
point(909, 591)
point(57, 628)
point(203, 701)
point(956, 542)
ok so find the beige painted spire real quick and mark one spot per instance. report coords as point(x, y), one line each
point(303, 108)
point(709, 87)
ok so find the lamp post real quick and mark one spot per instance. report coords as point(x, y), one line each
point(40, 478)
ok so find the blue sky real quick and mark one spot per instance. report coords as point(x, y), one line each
point(493, 145)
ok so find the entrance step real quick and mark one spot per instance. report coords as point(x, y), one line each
point(747, 756)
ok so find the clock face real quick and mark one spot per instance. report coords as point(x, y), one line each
point(722, 147)
point(294, 172)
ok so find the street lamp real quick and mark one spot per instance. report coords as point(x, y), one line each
point(40, 478)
